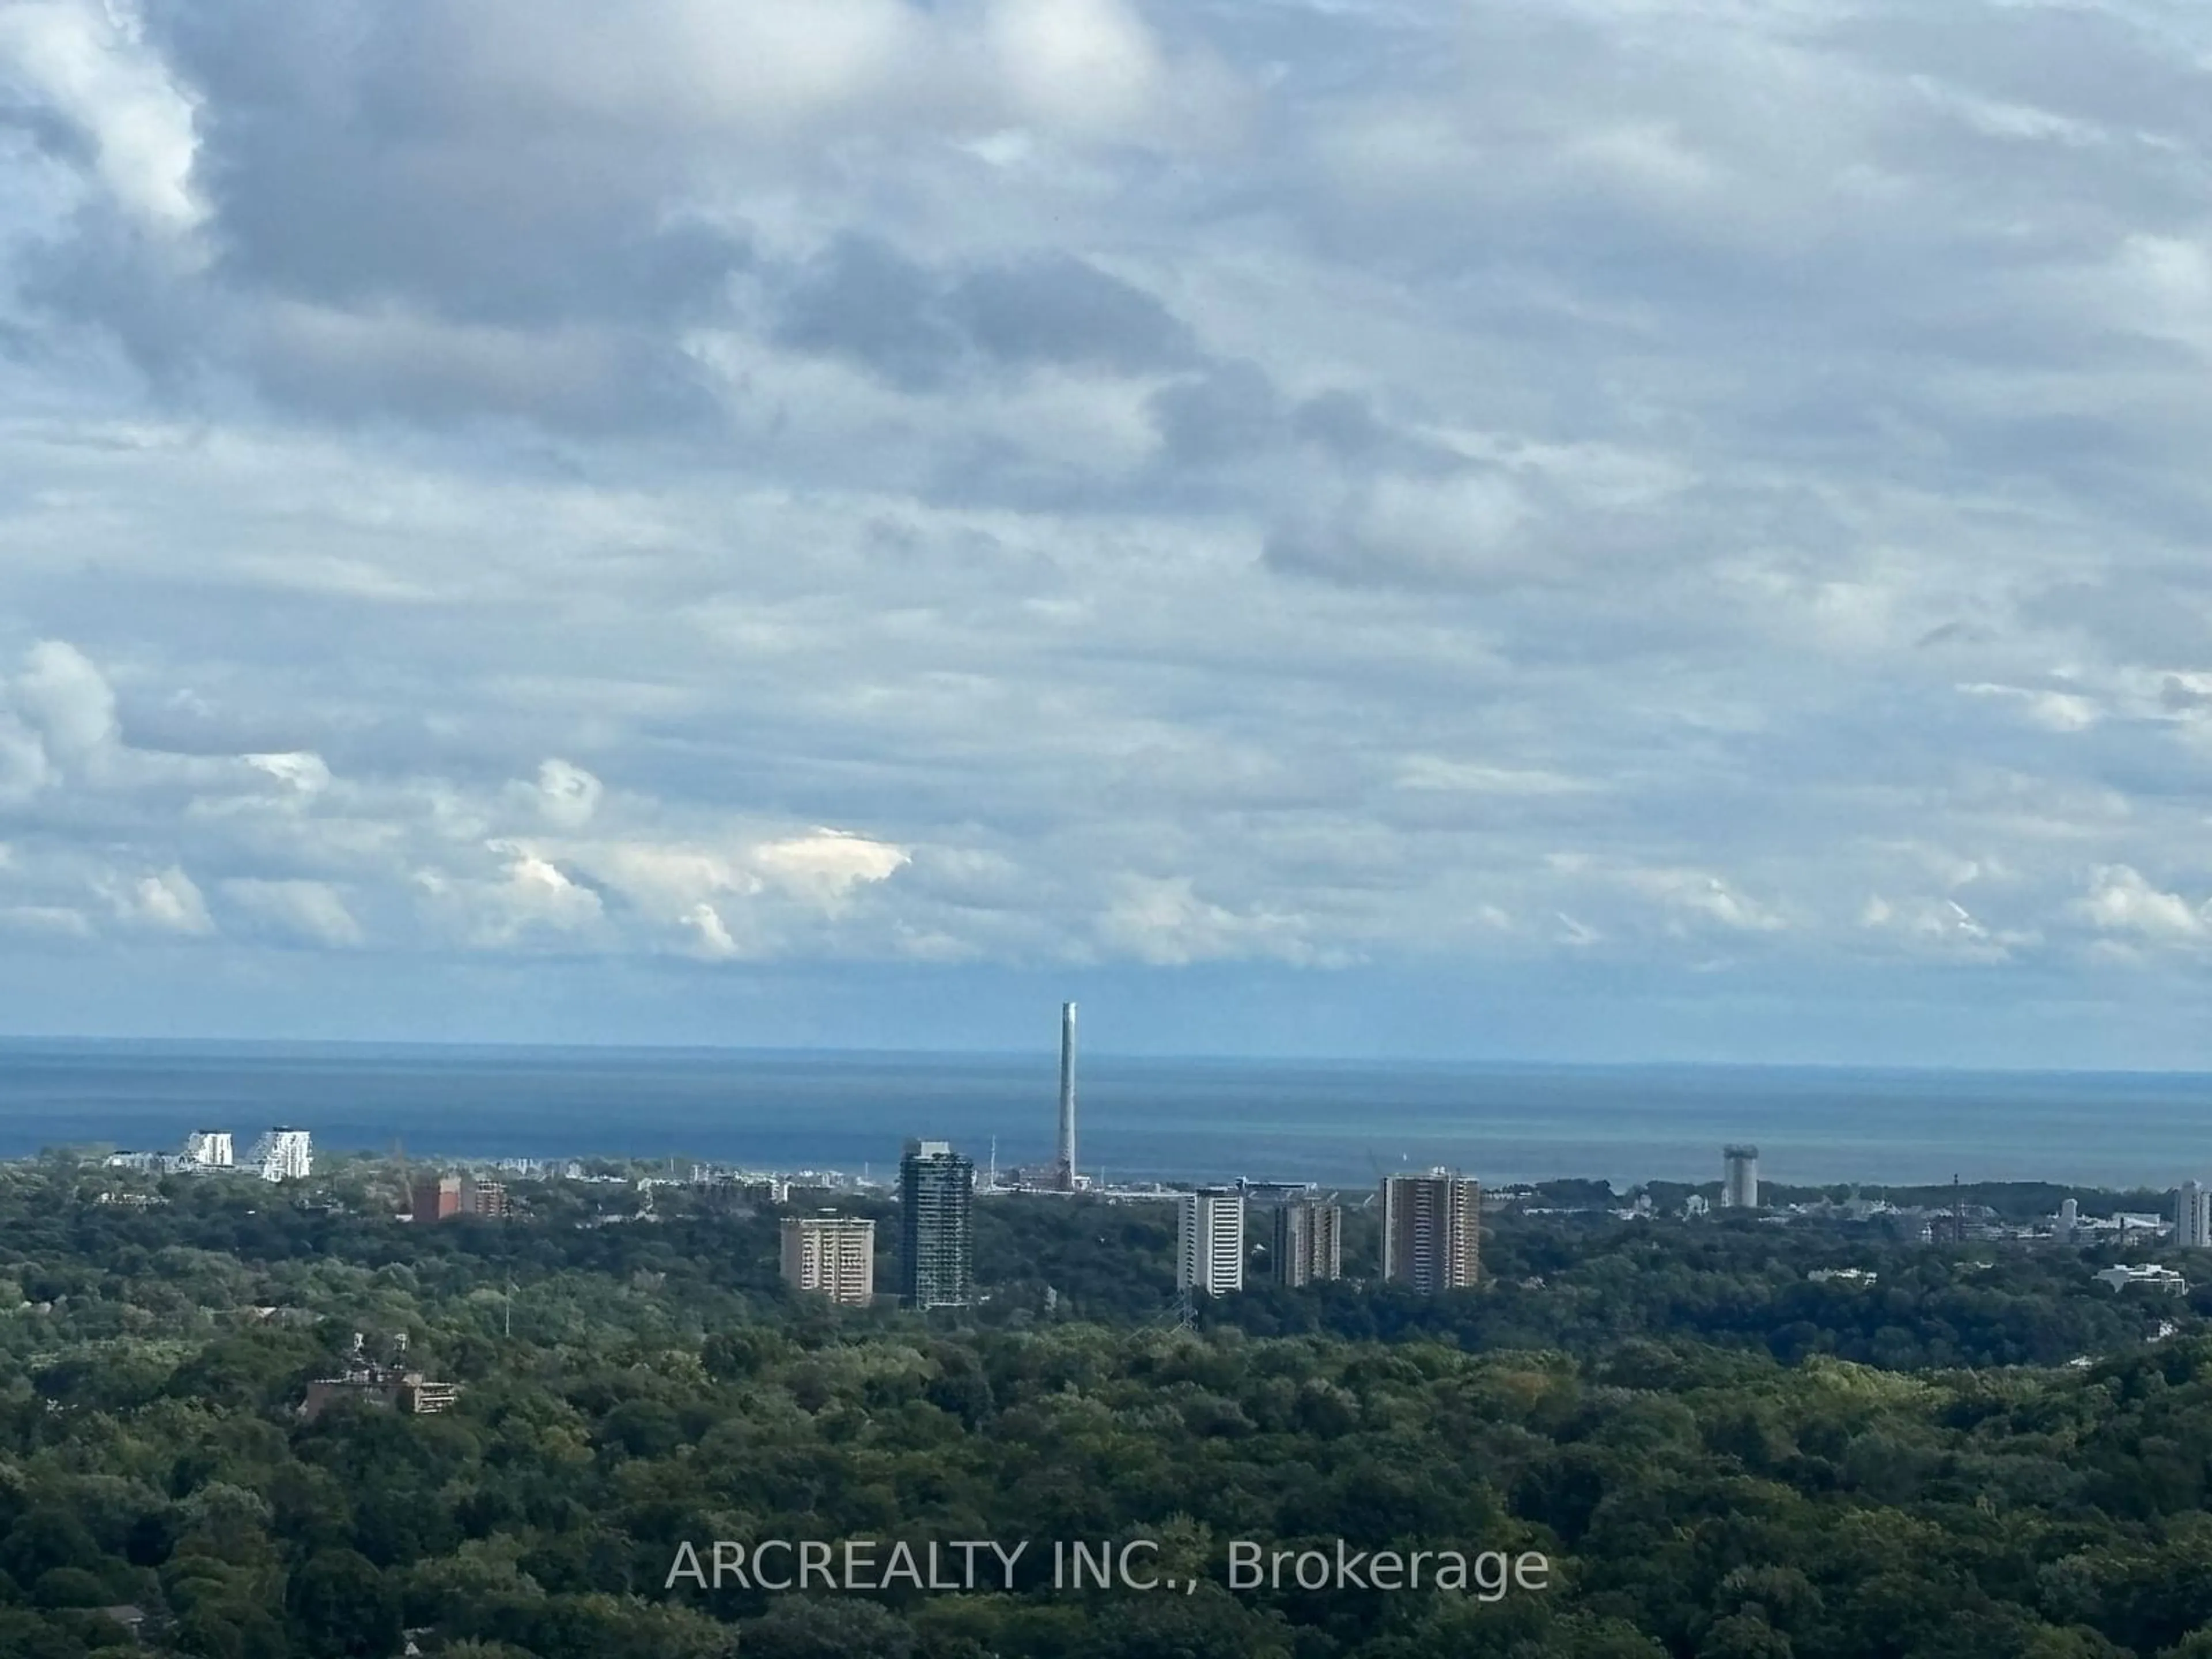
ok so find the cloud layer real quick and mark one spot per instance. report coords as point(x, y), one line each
point(1669, 500)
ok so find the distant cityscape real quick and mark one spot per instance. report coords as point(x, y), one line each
point(1431, 1225)
point(1430, 1233)
point(284, 1153)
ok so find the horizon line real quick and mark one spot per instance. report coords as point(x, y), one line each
point(1046, 1053)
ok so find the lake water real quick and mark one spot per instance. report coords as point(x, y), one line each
point(1202, 1119)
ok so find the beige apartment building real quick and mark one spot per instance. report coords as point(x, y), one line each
point(1432, 1230)
point(831, 1255)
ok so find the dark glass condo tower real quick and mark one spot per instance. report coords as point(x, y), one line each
point(937, 1197)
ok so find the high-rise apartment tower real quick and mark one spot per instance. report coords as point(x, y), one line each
point(285, 1154)
point(831, 1255)
point(1431, 1231)
point(1739, 1177)
point(1309, 1244)
point(209, 1149)
point(937, 1201)
point(1209, 1242)
point(2192, 1217)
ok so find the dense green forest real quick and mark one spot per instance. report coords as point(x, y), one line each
point(1978, 1452)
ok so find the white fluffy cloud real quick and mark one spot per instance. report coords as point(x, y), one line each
point(88, 60)
point(567, 795)
point(1091, 63)
point(713, 939)
point(2121, 901)
point(829, 863)
point(525, 901)
point(68, 700)
point(166, 902)
point(304, 774)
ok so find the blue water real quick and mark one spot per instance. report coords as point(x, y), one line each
point(1203, 1119)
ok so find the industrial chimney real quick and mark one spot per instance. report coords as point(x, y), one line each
point(1064, 1173)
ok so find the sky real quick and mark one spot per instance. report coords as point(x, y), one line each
point(1537, 529)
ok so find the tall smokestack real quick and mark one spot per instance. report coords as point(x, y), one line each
point(1065, 1172)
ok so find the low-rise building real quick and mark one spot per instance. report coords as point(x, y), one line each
point(2121, 1277)
point(446, 1196)
point(130, 1616)
point(393, 1387)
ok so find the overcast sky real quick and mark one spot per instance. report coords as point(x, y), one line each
point(1537, 528)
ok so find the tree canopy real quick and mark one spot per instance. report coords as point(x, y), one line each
point(1977, 1451)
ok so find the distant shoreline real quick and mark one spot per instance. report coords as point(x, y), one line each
point(1563, 1195)
point(459, 1049)
point(1343, 1123)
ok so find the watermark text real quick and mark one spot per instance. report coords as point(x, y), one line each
point(866, 1565)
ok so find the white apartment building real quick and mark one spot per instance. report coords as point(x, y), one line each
point(209, 1149)
point(1209, 1242)
point(284, 1154)
point(2192, 1217)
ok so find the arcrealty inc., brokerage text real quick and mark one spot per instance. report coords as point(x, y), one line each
point(866, 1565)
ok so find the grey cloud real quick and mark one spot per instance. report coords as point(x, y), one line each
point(2092, 64)
point(2176, 694)
point(1343, 422)
point(2163, 613)
point(371, 259)
point(186, 333)
point(345, 367)
point(312, 913)
point(438, 188)
point(48, 130)
point(1348, 428)
point(107, 272)
point(1224, 412)
point(1058, 309)
point(1469, 530)
point(344, 166)
point(861, 299)
point(538, 240)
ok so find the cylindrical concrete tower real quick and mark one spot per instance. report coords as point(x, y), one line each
point(1065, 1171)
